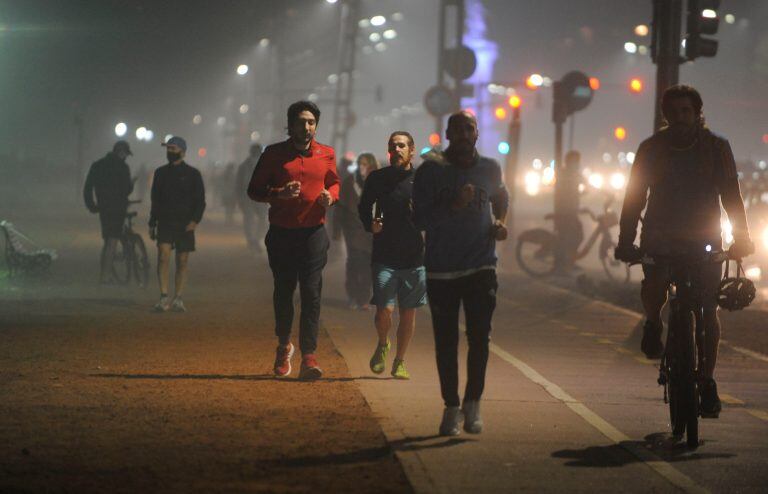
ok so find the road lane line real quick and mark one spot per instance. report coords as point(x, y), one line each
point(670, 473)
point(731, 400)
point(605, 341)
point(746, 351)
point(761, 414)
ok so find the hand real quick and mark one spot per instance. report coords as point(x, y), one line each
point(290, 191)
point(325, 199)
point(627, 253)
point(377, 226)
point(466, 194)
point(153, 233)
point(191, 227)
point(500, 230)
point(741, 248)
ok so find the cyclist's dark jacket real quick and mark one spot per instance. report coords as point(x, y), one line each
point(399, 245)
point(682, 189)
point(110, 178)
point(178, 195)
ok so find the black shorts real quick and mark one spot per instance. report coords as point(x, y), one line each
point(177, 236)
point(111, 224)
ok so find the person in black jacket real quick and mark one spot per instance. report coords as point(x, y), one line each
point(178, 202)
point(110, 179)
point(398, 251)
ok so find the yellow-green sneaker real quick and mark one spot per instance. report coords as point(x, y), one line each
point(378, 361)
point(399, 371)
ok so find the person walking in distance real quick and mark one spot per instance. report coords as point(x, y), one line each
point(254, 213)
point(356, 239)
point(110, 179)
point(460, 202)
point(398, 252)
point(298, 178)
point(178, 203)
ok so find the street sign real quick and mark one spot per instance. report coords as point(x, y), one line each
point(460, 62)
point(439, 101)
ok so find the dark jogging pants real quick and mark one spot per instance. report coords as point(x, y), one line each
point(477, 291)
point(297, 256)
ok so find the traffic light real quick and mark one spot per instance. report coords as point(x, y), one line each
point(500, 113)
point(702, 19)
point(594, 83)
point(620, 133)
point(515, 101)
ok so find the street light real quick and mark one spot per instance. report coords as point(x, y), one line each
point(242, 69)
point(378, 20)
point(515, 101)
point(141, 132)
point(630, 47)
point(331, 1)
point(620, 133)
point(636, 85)
point(390, 34)
point(534, 81)
point(121, 129)
point(500, 114)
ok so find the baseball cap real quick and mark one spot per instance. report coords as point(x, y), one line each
point(122, 146)
point(176, 141)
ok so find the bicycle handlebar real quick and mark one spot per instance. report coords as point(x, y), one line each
point(684, 259)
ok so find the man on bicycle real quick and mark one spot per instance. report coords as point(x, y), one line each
point(682, 173)
point(110, 179)
point(178, 202)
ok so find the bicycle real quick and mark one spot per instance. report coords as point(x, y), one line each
point(684, 353)
point(130, 260)
point(536, 248)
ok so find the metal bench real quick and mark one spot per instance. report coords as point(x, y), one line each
point(22, 255)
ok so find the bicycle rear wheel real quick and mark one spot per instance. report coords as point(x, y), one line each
point(140, 261)
point(535, 252)
point(121, 262)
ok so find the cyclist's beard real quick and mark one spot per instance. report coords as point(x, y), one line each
point(172, 157)
point(682, 134)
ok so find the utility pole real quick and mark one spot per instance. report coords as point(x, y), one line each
point(510, 168)
point(443, 52)
point(665, 49)
point(343, 116)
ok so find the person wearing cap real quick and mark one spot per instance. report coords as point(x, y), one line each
point(178, 202)
point(110, 179)
point(298, 178)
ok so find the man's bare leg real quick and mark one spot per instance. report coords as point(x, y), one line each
point(180, 277)
point(405, 329)
point(107, 256)
point(163, 267)
point(383, 321)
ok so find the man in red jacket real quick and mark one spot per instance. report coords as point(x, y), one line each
point(298, 178)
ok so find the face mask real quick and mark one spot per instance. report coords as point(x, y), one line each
point(172, 156)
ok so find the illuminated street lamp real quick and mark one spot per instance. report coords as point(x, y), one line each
point(515, 101)
point(630, 47)
point(121, 129)
point(620, 133)
point(390, 34)
point(242, 69)
point(500, 114)
point(378, 20)
point(641, 30)
point(636, 85)
point(534, 81)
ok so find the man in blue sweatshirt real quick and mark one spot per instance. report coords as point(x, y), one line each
point(460, 201)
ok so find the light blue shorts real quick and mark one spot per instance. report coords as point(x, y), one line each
point(406, 286)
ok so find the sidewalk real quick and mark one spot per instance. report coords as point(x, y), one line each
point(97, 394)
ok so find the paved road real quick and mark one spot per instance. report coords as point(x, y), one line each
point(570, 405)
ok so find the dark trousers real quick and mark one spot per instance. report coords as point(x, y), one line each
point(358, 281)
point(477, 292)
point(297, 256)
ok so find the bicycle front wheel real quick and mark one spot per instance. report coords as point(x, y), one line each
point(121, 261)
point(535, 252)
point(683, 393)
point(140, 261)
point(615, 270)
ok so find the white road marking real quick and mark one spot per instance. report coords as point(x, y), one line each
point(670, 473)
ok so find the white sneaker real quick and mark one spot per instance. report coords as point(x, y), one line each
point(163, 304)
point(452, 416)
point(178, 305)
point(472, 421)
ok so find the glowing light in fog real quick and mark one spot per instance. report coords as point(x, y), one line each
point(121, 129)
point(141, 132)
point(532, 183)
point(630, 47)
point(596, 180)
point(641, 30)
point(503, 147)
point(242, 69)
point(727, 231)
point(378, 20)
point(618, 181)
point(754, 273)
point(548, 176)
point(390, 34)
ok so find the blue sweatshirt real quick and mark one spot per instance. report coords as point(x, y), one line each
point(458, 242)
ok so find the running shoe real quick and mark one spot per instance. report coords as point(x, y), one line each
point(710, 401)
point(178, 305)
point(283, 359)
point(398, 370)
point(651, 344)
point(472, 421)
point(310, 371)
point(452, 416)
point(378, 361)
point(163, 304)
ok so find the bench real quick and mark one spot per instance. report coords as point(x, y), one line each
point(22, 255)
